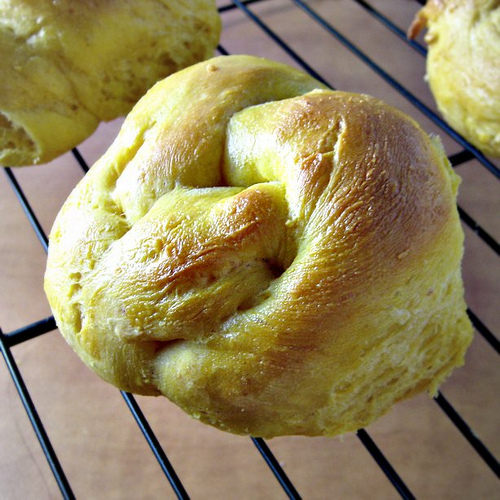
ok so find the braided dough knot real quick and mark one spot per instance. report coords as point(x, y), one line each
point(274, 257)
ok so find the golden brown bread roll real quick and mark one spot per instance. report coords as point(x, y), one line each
point(274, 257)
point(463, 66)
point(66, 66)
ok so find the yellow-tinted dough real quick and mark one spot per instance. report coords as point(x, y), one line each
point(68, 65)
point(463, 66)
point(274, 257)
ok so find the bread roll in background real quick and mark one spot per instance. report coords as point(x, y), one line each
point(274, 257)
point(463, 66)
point(66, 66)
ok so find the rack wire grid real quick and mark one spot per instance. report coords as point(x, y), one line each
point(86, 441)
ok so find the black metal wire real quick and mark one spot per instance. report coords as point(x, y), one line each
point(29, 332)
point(35, 420)
point(222, 50)
point(484, 331)
point(232, 6)
point(276, 468)
point(484, 235)
point(279, 41)
point(460, 157)
point(468, 433)
point(156, 448)
point(385, 465)
point(392, 27)
point(79, 158)
point(37, 227)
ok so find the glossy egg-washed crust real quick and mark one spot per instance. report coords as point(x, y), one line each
point(66, 66)
point(274, 257)
point(463, 66)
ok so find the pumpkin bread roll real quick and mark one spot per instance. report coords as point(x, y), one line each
point(66, 66)
point(273, 256)
point(463, 66)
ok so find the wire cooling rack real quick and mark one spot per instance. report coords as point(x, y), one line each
point(323, 24)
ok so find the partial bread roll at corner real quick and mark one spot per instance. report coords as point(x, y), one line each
point(463, 66)
point(66, 66)
point(274, 257)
